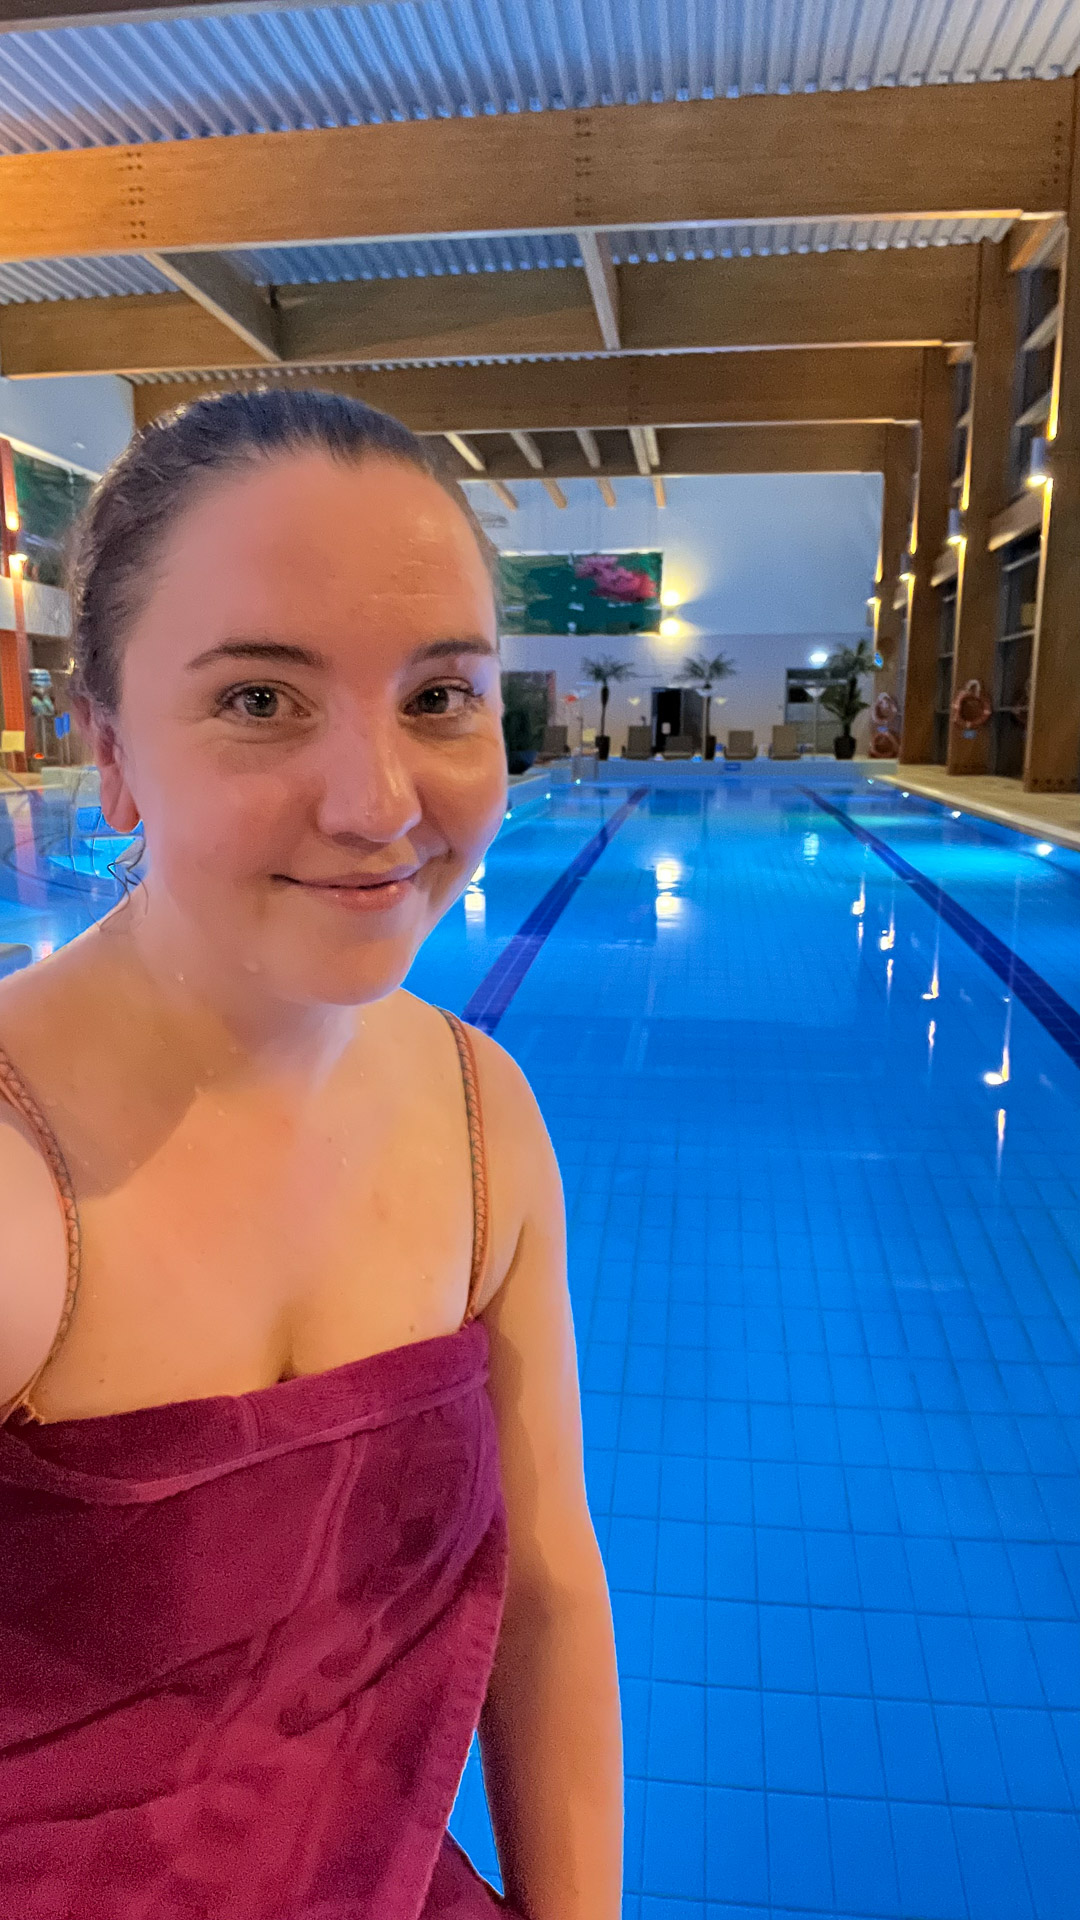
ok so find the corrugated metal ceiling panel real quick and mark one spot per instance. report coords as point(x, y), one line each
point(175, 79)
point(78, 279)
point(409, 259)
point(810, 236)
point(514, 253)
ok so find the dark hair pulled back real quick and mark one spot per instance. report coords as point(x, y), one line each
point(138, 501)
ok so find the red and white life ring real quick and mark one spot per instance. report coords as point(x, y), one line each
point(884, 744)
point(972, 707)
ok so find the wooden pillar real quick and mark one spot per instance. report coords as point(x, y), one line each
point(897, 506)
point(1052, 753)
point(931, 526)
point(979, 578)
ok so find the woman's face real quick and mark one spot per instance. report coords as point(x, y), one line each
point(309, 723)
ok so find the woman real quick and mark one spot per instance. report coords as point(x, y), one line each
point(255, 1548)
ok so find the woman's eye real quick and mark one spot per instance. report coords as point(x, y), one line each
point(437, 702)
point(254, 703)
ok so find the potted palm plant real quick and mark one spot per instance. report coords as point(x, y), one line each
point(843, 696)
point(704, 673)
point(606, 672)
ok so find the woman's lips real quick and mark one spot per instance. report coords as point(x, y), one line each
point(360, 895)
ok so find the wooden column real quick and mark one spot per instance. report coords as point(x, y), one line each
point(931, 525)
point(1052, 754)
point(979, 579)
point(897, 505)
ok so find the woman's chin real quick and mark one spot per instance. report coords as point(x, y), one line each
point(349, 976)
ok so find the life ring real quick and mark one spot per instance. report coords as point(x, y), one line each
point(884, 745)
point(972, 707)
point(885, 711)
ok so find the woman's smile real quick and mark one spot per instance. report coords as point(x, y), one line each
point(361, 892)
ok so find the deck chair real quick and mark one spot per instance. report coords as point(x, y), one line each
point(680, 746)
point(638, 744)
point(785, 743)
point(554, 743)
point(741, 745)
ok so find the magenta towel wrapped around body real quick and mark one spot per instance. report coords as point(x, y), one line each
point(244, 1644)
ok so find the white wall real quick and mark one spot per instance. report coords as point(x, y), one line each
point(770, 566)
point(83, 421)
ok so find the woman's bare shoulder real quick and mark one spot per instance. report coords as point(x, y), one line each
point(33, 1254)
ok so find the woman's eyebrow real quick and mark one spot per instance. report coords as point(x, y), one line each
point(444, 649)
point(282, 651)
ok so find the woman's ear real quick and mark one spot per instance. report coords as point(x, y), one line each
point(117, 801)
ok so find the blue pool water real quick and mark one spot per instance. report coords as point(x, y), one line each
point(810, 1055)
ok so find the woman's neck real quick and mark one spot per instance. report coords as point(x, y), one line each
point(225, 1019)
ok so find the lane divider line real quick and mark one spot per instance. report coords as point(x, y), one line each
point(496, 990)
point(1054, 1014)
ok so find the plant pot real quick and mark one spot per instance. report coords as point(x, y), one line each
point(844, 746)
point(519, 762)
point(603, 745)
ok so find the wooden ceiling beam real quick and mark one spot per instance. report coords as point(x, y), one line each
point(595, 249)
point(1002, 148)
point(668, 390)
point(607, 491)
point(659, 490)
point(640, 451)
point(866, 299)
point(554, 492)
point(467, 453)
point(528, 449)
point(828, 448)
point(214, 284)
point(1036, 243)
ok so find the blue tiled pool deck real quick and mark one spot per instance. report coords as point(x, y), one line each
point(822, 1163)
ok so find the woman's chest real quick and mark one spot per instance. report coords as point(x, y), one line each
point(235, 1254)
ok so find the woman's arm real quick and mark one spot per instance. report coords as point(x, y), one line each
point(550, 1732)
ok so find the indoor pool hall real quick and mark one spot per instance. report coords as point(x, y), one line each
point(809, 1050)
point(572, 506)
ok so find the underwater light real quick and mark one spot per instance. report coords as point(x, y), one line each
point(1043, 848)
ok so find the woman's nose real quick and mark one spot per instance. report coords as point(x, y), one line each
point(368, 789)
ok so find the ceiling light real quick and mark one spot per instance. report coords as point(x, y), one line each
point(670, 629)
point(671, 597)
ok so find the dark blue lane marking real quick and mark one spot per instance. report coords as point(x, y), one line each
point(499, 985)
point(1061, 1021)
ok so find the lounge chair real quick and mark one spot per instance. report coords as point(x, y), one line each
point(785, 743)
point(554, 744)
point(680, 746)
point(741, 745)
point(638, 744)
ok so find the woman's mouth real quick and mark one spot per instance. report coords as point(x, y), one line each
point(360, 892)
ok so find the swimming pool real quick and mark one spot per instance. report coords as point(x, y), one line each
point(810, 1055)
